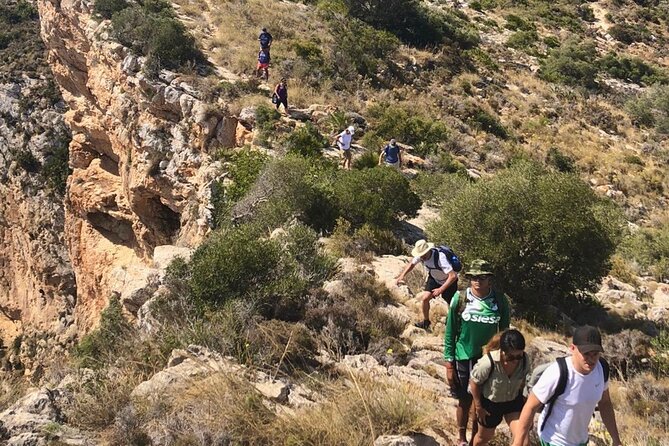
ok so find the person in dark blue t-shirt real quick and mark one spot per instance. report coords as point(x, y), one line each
point(265, 40)
point(392, 154)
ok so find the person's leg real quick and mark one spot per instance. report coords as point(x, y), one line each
point(426, 297)
point(462, 371)
point(462, 417)
point(483, 435)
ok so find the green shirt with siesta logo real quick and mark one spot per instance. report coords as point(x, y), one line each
point(468, 331)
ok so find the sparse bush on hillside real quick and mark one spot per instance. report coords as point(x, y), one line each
point(107, 8)
point(532, 226)
point(648, 249)
point(627, 33)
point(27, 161)
point(573, 63)
point(435, 188)
point(408, 126)
point(651, 109)
point(347, 323)
point(56, 168)
point(523, 39)
point(364, 242)
point(305, 141)
point(632, 69)
point(560, 161)
point(416, 24)
point(151, 30)
point(272, 273)
point(378, 197)
point(106, 341)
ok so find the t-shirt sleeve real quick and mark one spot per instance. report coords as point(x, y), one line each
point(481, 370)
point(548, 381)
point(415, 260)
point(444, 264)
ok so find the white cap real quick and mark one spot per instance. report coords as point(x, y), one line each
point(351, 129)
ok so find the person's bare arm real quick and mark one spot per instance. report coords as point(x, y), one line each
point(475, 389)
point(609, 417)
point(452, 277)
point(406, 271)
point(526, 418)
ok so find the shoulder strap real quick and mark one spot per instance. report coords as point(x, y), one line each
point(559, 389)
point(492, 366)
point(435, 256)
point(605, 368)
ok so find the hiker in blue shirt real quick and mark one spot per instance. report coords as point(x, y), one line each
point(392, 154)
point(262, 70)
point(265, 40)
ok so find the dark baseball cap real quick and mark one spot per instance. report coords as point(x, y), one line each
point(587, 339)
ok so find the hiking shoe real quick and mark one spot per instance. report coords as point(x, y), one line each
point(424, 325)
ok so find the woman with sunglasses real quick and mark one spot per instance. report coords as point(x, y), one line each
point(497, 383)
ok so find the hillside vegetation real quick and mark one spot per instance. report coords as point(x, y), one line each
point(539, 131)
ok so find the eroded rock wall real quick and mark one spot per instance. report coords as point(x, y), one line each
point(141, 169)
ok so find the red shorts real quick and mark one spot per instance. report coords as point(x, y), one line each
point(262, 66)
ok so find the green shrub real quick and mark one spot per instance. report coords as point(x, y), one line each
point(305, 141)
point(573, 63)
point(274, 273)
point(533, 226)
point(56, 168)
point(516, 23)
point(367, 160)
point(551, 41)
point(107, 8)
point(661, 358)
point(523, 39)
point(107, 341)
point(151, 31)
point(632, 69)
point(361, 48)
point(648, 248)
point(416, 24)
point(378, 196)
point(22, 11)
point(628, 34)
point(288, 188)
point(586, 13)
point(488, 123)
point(243, 170)
point(364, 241)
point(651, 108)
point(434, 188)
point(560, 161)
point(27, 161)
point(634, 159)
point(407, 126)
point(266, 116)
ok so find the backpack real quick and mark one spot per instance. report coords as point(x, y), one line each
point(263, 57)
point(452, 258)
point(562, 381)
point(492, 366)
point(264, 40)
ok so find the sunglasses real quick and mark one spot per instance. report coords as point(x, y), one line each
point(478, 278)
point(513, 357)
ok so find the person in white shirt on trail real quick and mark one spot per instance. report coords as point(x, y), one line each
point(343, 141)
point(442, 280)
point(566, 424)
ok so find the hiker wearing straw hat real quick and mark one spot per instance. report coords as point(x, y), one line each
point(441, 280)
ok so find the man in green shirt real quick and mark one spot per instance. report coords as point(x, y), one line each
point(475, 315)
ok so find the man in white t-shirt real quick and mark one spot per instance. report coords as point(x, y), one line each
point(441, 279)
point(568, 420)
point(343, 141)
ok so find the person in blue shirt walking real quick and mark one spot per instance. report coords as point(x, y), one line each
point(392, 154)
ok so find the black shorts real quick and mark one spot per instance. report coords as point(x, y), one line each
point(462, 371)
point(498, 410)
point(431, 284)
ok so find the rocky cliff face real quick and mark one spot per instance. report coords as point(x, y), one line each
point(37, 286)
point(140, 158)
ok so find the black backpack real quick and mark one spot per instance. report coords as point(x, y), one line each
point(452, 258)
point(265, 39)
point(562, 382)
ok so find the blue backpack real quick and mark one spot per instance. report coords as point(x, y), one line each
point(263, 57)
point(452, 258)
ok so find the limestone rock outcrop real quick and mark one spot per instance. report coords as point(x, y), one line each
point(140, 158)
